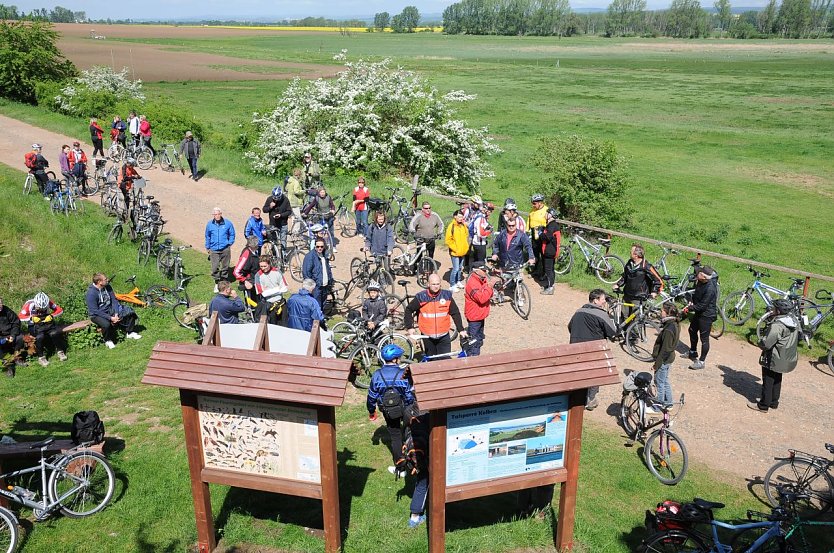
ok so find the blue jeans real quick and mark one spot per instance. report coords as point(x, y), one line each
point(361, 221)
point(476, 337)
point(192, 162)
point(661, 382)
point(454, 276)
point(421, 490)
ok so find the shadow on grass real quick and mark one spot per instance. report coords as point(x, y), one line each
point(145, 546)
point(482, 511)
point(42, 428)
point(743, 383)
point(634, 538)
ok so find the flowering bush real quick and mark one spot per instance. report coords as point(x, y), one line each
point(96, 91)
point(374, 118)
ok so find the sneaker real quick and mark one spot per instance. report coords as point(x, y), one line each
point(548, 291)
point(754, 405)
point(10, 372)
point(335, 249)
point(62, 356)
point(697, 365)
point(109, 344)
point(692, 354)
point(133, 336)
point(43, 362)
point(20, 363)
point(399, 474)
point(415, 523)
point(592, 404)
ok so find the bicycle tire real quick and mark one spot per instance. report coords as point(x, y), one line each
point(522, 300)
point(385, 279)
point(396, 311)
point(763, 322)
point(165, 161)
point(718, 327)
point(51, 175)
point(630, 413)
point(296, 263)
point(89, 187)
point(27, 184)
point(674, 541)
point(144, 159)
point(799, 475)
point(365, 361)
point(397, 339)
point(335, 300)
point(640, 337)
point(92, 472)
point(661, 466)
point(398, 261)
point(9, 534)
point(347, 224)
point(116, 152)
point(359, 271)
point(738, 307)
point(830, 359)
point(115, 235)
point(609, 268)
point(160, 295)
point(163, 261)
point(425, 268)
point(344, 338)
point(564, 262)
point(144, 253)
point(179, 312)
point(401, 233)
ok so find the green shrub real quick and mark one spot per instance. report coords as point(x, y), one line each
point(29, 55)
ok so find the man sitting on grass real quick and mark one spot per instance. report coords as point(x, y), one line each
point(107, 313)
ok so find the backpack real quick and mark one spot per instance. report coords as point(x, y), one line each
point(393, 405)
point(414, 457)
point(31, 160)
point(87, 427)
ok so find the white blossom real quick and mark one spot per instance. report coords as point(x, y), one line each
point(100, 79)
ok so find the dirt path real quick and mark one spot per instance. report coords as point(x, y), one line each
point(719, 430)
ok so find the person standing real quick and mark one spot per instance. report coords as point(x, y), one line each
point(278, 207)
point(255, 227)
point(311, 171)
point(246, 268)
point(639, 281)
point(427, 225)
point(191, 150)
point(477, 296)
point(361, 193)
point(704, 309)
point(435, 310)
point(512, 247)
point(220, 235)
point(316, 267)
point(227, 304)
point(146, 134)
point(379, 240)
point(663, 351)
point(779, 355)
point(96, 136)
point(302, 308)
point(127, 174)
point(479, 231)
point(133, 127)
point(63, 161)
point(37, 165)
point(42, 312)
point(296, 193)
point(551, 239)
point(592, 322)
point(536, 222)
point(271, 286)
point(390, 377)
point(77, 162)
point(107, 313)
point(11, 339)
point(457, 240)
point(121, 128)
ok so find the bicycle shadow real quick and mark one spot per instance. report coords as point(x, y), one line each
point(743, 383)
point(634, 538)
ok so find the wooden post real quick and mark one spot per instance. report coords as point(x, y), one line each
point(567, 496)
point(437, 482)
point(200, 490)
point(807, 287)
point(314, 345)
point(262, 336)
point(212, 336)
point(329, 479)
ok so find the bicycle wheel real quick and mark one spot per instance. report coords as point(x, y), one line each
point(718, 327)
point(165, 161)
point(385, 280)
point(144, 159)
point(160, 295)
point(116, 152)
point(425, 268)
point(400, 340)
point(8, 531)
point(296, 263)
point(115, 236)
point(640, 337)
point(630, 413)
point(344, 337)
point(830, 359)
point(609, 268)
point(398, 261)
point(401, 231)
point(564, 262)
point(522, 301)
point(179, 313)
point(674, 541)
point(800, 476)
point(738, 307)
point(27, 184)
point(359, 271)
point(144, 253)
point(365, 362)
point(666, 456)
point(83, 484)
point(347, 224)
point(396, 311)
point(163, 261)
point(89, 186)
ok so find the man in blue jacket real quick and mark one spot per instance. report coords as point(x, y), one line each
point(107, 313)
point(227, 304)
point(511, 245)
point(255, 227)
point(390, 375)
point(316, 267)
point(220, 235)
point(302, 309)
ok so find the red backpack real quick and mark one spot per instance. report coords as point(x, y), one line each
point(31, 160)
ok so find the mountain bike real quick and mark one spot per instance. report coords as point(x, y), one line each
point(739, 306)
point(809, 314)
point(803, 473)
point(664, 452)
point(169, 158)
point(141, 153)
point(639, 331)
point(509, 286)
point(351, 338)
point(344, 216)
point(157, 295)
point(62, 200)
point(147, 241)
point(30, 179)
point(338, 298)
point(116, 152)
point(413, 260)
point(400, 217)
point(112, 200)
point(365, 270)
point(606, 266)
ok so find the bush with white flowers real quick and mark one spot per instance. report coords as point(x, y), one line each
point(98, 85)
point(377, 119)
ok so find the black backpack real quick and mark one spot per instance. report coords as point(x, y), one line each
point(87, 427)
point(393, 405)
point(414, 457)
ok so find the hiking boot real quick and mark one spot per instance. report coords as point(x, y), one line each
point(412, 523)
point(43, 362)
point(754, 405)
point(62, 356)
point(697, 365)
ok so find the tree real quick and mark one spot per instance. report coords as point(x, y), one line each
point(381, 21)
point(586, 179)
point(767, 19)
point(724, 14)
point(410, 17)
point(28, 54)
point(794, 18)
point(687, 19)
point(624, 17)
point(397, 24)
point(452, 19)
point(9, 12)
point(61, 15)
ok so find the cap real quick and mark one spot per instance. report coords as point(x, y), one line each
point(188, 133)
point(480, 264)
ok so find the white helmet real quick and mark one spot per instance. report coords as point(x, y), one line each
point(476, 200)
point(374, 285)
point(318, 227)
point(512, 207)
point(36, 146)
point(40, 301)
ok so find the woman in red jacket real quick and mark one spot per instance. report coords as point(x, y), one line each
point(96, 133)
point(145, 133)
point(477, 295)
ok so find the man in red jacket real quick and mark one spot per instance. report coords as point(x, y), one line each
point(477, 294)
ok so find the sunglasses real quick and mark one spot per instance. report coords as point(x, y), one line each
point(427, 209)
point(319, 247)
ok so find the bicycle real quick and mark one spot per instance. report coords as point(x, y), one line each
point(157, 295)
point(509, 286)
point(637, 332)
point(338, 297)
point(344, 217)
point(802, 307)
point(365, 270)
point(141, 153)
point(607, 267)
point(803, 473)
point(78, 483)
point(663, 451)
point(112, 200)
point(284, 259)
point(147, 244)
point(739, 306)
point(401, 217)
point(830, 357)
point(61, 200)
point(30, 178)
point(169, 157)
point(359, 344)
point(457, 354)
point(414, 260)
point(116, 152)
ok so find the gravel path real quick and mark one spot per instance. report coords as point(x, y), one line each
point(718, 428)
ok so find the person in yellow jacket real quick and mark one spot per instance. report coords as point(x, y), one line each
point(536, 222)
point(457, 239)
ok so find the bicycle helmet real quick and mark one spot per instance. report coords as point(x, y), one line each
point(490, 206)
point(509, 201)
point(374, 285)
point(510, 207)
point(36, 146)
point(643, 380)
point(553, 213)
point(537, 198)
point(277, 192)
point(40, 301)
point(318, 227)
point(782, 306)
point(391, 352)
point(130, 161)
point(476, 200)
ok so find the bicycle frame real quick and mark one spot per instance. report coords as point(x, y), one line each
point(774, 530)
point(586, 247)
point(42, 466)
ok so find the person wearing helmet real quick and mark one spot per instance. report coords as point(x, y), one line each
point(479, 232)
point(390, 379)
point(277, 206)
point(37, 165)
point(190, 149)
point(374, 310)
point(510, 213)
point(551, 239)
point(779, 355)
point(127, 174)
point(316, 267)
point(536, 223)
point(361, 194)
point(255, 227)
point(323, 209)
point(40, 312)
point(704, 309)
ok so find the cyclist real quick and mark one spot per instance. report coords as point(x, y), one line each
point(471, 208)
point(295, 192)
point(704, 309)
point(41, 313)
point(361, 193)
point(374, 310)
point(477, 296)
point(255, 227)
point(107, 313)
point(133, 127)
point(120, 129)
point(510, 213)
point(227, 304)
point(512, 245)
point(77, 162)
point(379, 239)
point(11, 339)
point(435, 310)
point(592, 322)
point(536, 223)
point(277, 205)
point(316, 267)
point(63, 162)
point(315, 232)
point(779, 355)
point(271, 285)
point(390, 376)
point(322, 205)
point(312, 172)
point(479, 232)
point(146, 134)
point(664, 351)
point(427, 225)
point(640, 279)
point(127, 175)
point(37, 165)
point(551, 238)
point(457, 239)
point(303, 309)
point(96, 136)
point(245, 270)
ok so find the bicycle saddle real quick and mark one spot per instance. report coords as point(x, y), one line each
point(605, 241)
point(132, 279)
point(149, 198)
point(42, 443)
point(708, 505)
point(830, 447)
point(798, 280)
point(668, 277)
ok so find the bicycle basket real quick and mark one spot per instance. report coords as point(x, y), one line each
point(195, 312)
point(138, 184)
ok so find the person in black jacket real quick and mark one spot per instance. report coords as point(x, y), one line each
point(704, 309)
point(11, 339)
point(664, 351)
point(640, 280)
point(277, 205)
point(592, 322)
point(551, 238)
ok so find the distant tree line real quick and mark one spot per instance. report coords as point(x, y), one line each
point(57, 15)
point(406, 21)
point(683, 19)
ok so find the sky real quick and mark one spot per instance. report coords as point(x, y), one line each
point(277, 9)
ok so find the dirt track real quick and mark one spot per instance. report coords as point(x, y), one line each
point(718, 428)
